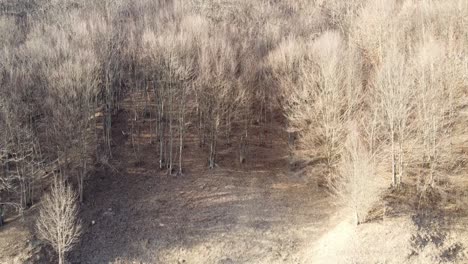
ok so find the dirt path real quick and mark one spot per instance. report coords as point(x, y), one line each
point(257, 213)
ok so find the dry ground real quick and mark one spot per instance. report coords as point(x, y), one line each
point(18, 243)
point(255, 213)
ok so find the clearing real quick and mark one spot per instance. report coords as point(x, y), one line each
point(258, 212)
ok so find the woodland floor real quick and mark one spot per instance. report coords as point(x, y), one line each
point(257, 212)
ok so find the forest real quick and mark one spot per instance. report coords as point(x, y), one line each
point(363, 104)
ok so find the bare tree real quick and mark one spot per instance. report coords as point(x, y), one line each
point(218, 87)
point(393, 84)
point(438, 77)
point(317, 106)
point(21, 155)
point(72, 100)
point(57, 223)
point(356, 184)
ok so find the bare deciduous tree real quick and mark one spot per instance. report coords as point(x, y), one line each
point(396, 97)
point(356, 183)
point(57, 223)
point(317, 106)
point(438, 78)
point(218, 87)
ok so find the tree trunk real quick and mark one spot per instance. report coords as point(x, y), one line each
point(181, 133)
point(394, 173)
point(181, 146)
point(108, 114)
point(60, 255)
point(242, 150)
point(400, 163)
point(161, 136)
point(81, 181)
point(357, 219)
point(213, 146)
point(433, 154)
point(201, 132)
point(171, 132)
point(171, 146)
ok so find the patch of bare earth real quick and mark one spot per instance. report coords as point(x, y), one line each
point(18, 243)
point(251, 213)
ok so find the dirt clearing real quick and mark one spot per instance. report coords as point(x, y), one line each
point(255, 213)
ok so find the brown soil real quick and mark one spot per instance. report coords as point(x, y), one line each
point(257, 212)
